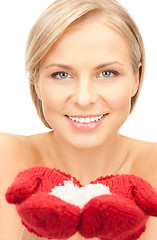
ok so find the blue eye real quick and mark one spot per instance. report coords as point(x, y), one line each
point(60, 75)
point(108, 73)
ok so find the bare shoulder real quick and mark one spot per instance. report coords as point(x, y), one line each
point(21, 149)
point(144, 160)
point(148, 168)
point(16, 154)
point(11, 142)
point(150, 163)
point(10, 149)
point(147, 150)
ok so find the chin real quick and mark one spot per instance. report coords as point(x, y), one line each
point(87, 142)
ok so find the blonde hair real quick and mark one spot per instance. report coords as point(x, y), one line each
point(59, 17)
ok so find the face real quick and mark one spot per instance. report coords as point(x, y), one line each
point(88, 73)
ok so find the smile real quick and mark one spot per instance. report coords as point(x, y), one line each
point(85, 124)
point(86, 120)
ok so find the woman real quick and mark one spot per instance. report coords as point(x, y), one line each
point(85, 61)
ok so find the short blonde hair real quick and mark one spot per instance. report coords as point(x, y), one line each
point(59, 17)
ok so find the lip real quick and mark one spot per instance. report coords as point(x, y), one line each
point(85, 127)
point(84, 116)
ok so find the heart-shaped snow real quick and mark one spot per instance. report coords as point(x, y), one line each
point(79, 196)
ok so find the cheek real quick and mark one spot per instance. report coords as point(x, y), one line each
point(122, 101)
point(119, 97)
point(52, 100)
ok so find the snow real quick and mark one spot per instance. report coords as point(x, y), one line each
point(79, 196)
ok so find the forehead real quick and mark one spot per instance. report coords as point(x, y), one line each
point(90, 41)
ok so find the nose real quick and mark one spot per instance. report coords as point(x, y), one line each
point(85, 93)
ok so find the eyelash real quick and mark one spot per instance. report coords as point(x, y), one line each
point(53, 75)
point(114, 72)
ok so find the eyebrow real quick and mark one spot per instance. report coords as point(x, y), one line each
point(109, 64)
point(59, 65)
point(70, 68)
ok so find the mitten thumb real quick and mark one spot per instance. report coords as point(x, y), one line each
point(24, 185)
point(145, 196)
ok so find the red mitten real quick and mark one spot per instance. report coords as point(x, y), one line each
point(43, 214)
point(122, 215)
point(49, 216)
point(32, 180)
point(55, 205)
point(145, 196)
point(24, 185)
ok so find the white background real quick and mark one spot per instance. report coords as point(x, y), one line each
point(17, 112)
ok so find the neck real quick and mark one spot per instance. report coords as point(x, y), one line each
point(88, 164)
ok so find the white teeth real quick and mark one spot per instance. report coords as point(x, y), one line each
point(86, 120)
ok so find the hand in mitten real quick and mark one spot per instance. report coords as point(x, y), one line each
point(122, 215)
point(41, 213)
point(55, 205)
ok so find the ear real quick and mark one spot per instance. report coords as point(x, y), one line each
point(136, 81)
point(37, 89)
